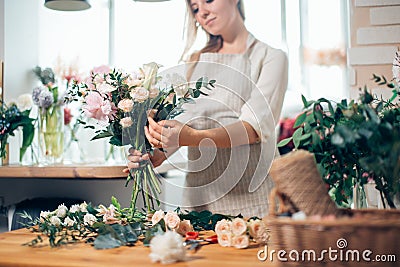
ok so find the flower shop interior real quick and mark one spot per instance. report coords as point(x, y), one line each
point(338, 51)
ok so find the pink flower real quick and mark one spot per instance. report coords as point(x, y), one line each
point(98, 108)
point(103, 69)
point(184, 227)
point(172, 220)
point(157, 216)
point(139, 94)
point(126, 105)
point(241, 241)
point(258, 231)
point(105, 88)
point(238, 226)
point(126, 122)
point(223, 226)
point(225, 239)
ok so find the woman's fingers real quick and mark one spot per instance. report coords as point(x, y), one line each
point(153, 141)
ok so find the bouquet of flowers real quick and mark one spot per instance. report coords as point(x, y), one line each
point(51, 123)
point(120, 102)
point(12, 117)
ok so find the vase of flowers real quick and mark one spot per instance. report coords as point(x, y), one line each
point(51, 118)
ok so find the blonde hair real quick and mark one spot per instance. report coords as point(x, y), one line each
point(214, 42)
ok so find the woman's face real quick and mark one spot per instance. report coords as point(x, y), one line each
point(215, 16)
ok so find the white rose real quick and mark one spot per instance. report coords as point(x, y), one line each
point(167, 248)
point(89, 219)
point(83, 207)
point(54, 220)
point(157, 216)
point(239, 226)
point(258, 231)
point(74, 208)
point(69, 222)
point(139, 94)
point(126, 105)
point(24, 102)
point(172, 220)
point(126, 122)
point(135, 79)
point(241, 241)
point(223, 226)
point(225, 239)
point(44, 215)
point(61, 211)
point(184, 227)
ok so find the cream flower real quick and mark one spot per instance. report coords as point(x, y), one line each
point(157, 216)
point(172, 220)
point(54, 220)
point(178, 82)
point(74, 208)
point(105, 88)
point(223, 226)
point(69, 222)
point(83, 206)
point(126, 122)
point(167, 248)
point(135, 79)
point(139, 94)
point(184, 227)
point(150, 74)
point(44, 215)
point(89, 219)
point(126, 105)
point(258, 231)
point(238, 226)
point(225, 239)
point(61, 211)
point(24, 102)
point(240, 241)
point(153, 92)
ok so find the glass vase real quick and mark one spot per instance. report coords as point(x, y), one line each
point(51, 135)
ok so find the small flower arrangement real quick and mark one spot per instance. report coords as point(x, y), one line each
point(119, 102)
point(239, 233)
point(11, 118)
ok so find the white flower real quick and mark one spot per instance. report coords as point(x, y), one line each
point(24, 102)
point(105, 88)
point(167, 248)
point(108, 214)
point(240, 241)
point(184, 227)
point(54, 220)
point(61, 211)
point(126, 105)
point(126, 122)
point(135, 79)
point(172, 220)
point(74, 208)
point(139, 94)
point(69, 222)
point(83, 206)
point(157, 216)
point(89, 219)
point(44, 215)
point(150, 74)
point(396, 68)
point(239, 226)
point(225, 239)
point(223, 226)
point(178, 82)
point(258, 231)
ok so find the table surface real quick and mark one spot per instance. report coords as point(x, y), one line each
point(12, 253)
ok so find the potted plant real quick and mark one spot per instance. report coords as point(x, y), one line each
point(353, 142)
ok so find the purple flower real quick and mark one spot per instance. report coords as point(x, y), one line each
point(46, 99)
point(35, 95)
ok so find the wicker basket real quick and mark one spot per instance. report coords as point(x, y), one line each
point(351, 234)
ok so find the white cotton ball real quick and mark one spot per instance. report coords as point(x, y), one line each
point(167, 248)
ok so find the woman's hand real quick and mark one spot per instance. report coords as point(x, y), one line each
point(135, 157)
point(169, 134)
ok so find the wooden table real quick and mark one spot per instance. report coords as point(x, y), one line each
point(12, 253)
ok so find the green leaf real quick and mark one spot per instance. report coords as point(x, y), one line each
point(296, 137)
point(115, 202)
point(284, 142)
point(28, 132)
point(107, 241)
point(300, 119)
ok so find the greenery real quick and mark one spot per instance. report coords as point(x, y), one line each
point(353, 142)
point(10, 119)
point(108, 227)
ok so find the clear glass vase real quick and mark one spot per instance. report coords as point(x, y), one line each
point(51, 135)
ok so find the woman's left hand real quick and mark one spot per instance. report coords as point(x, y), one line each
point(167, 133)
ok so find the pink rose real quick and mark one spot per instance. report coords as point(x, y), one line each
point(97, 107)
point(223, 226)
point(258, 231)
point(172, 220)
point(184, 227)
point(103, 69)
point(225, 239)
point(239, 226)
point(240, 241)
point(126, 122)
point(126, 105)
point(157, 216)
point(139, 94)
point(105, 88)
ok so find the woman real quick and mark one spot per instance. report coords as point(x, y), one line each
point(230, 134)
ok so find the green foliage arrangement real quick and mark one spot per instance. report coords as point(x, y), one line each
point(353, 142)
